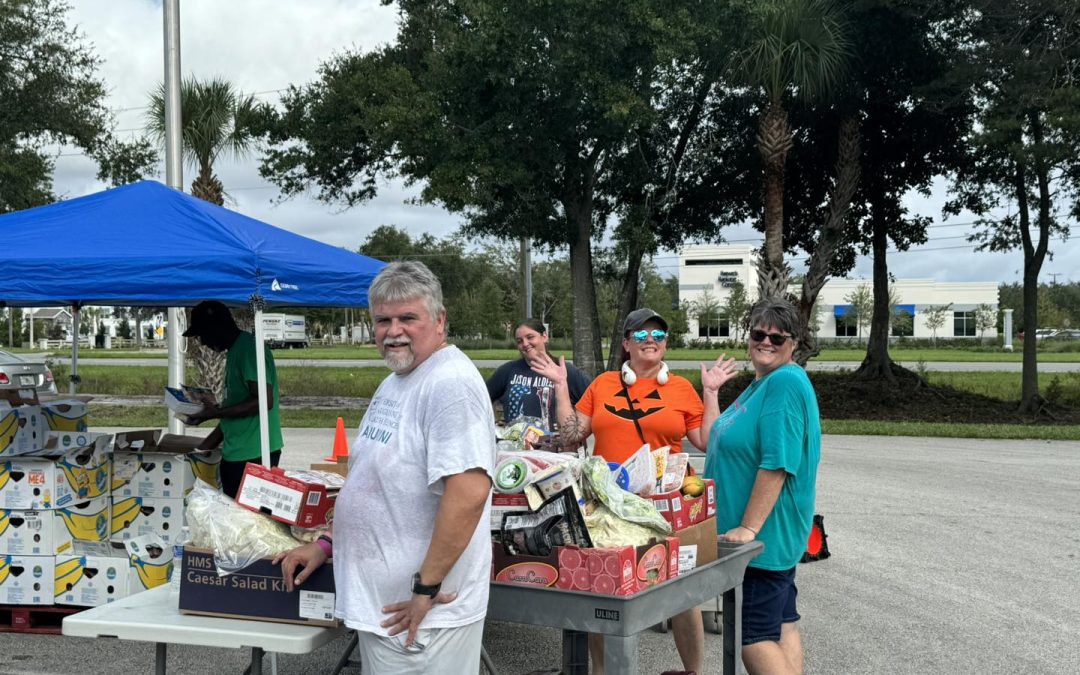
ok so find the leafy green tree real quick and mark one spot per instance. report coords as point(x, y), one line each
point(935, 317)
point(862, 305)
point(1025, 155)
point(707, 310)
point(796, 47)
point(985, 319)
point(737, 309)
point(509, 113)
point(50, 93)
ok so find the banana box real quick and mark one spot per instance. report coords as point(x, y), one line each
point(75, 469)
point(65, 415)
point(139, 516)
point(23, 429)
point(91, 575)
point(27, 579)
point(151, 562)
point(161, 466)
point(54, 531)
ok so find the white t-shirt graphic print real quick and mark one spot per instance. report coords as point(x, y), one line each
point(419, 428)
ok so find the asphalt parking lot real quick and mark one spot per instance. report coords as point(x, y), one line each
point(949, 556)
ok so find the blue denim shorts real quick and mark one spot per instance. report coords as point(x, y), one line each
point(768, 602)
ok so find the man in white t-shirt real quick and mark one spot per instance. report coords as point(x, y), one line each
point(410, 540)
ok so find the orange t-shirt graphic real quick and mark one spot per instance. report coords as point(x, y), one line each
point(665, 413)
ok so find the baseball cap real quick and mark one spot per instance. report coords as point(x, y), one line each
point(206, 316)
point(639, 317)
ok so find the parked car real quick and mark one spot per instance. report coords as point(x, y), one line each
point(18, 373)
point(1066, 334)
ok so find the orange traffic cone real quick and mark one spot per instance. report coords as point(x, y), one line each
point(341, 446)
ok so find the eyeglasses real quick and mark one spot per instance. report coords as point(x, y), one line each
point(643, 335)
point(776, 339)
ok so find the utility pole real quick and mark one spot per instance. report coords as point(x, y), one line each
point(526, 274)
point(1055, 275)
point(174, 175)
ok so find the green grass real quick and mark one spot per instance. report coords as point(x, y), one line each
point(950, 430)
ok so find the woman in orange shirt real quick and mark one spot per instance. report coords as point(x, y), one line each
point(641, 403)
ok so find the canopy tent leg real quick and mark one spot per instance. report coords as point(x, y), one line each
point(73, 383)
point(176, 362)
point(260, 369)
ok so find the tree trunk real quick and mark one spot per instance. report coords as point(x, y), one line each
point(774, 141)
point(848, 171)
point(628, 297)
point(877, 364)
point(586, 336)
point(1030, 400)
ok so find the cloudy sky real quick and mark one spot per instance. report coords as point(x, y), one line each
point(262, 46)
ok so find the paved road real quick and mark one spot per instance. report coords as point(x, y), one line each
point(947, 366)
point(949, 556)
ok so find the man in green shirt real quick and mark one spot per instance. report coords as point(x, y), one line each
point(238, 430)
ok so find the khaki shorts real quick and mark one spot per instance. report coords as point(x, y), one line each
point(444, 651)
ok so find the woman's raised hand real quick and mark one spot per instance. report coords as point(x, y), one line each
point(715, 377)
point(543, 364)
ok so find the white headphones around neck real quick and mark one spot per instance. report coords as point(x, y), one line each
point(629, 377)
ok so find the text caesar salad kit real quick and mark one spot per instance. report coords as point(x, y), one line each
point(255, 592)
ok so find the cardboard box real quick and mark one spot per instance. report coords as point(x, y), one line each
point(288, 499)
point(148, 463)
point(50, 532)
point(92, 575)
point(23, 429)
point(255, 592)
point(27, 580)
point(63, 477)
point(620, 571)
point(139, 516)
point(697, 545)
point(65, 415)
point(151, 561)
point(682, 511)
point(502, 504)
point(341, 469)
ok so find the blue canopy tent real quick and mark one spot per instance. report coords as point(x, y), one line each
point(146, 244)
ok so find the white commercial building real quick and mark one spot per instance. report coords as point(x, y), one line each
point(709, 274)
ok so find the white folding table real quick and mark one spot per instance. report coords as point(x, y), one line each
point(153, 616)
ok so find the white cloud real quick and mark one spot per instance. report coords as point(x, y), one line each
point(266, 45)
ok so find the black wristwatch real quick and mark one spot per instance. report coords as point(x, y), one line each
point(420, 589)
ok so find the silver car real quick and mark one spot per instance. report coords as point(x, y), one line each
point(18, 373)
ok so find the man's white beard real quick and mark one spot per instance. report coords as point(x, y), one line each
point(398, 362)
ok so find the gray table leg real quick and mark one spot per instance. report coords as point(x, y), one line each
point(733, 630)
point(160, 658)
point(620, 655)
point(575, 652)
point(256, 660)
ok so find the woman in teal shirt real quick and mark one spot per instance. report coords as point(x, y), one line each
point(763, 453)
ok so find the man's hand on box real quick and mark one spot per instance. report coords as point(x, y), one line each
point(410, 614)
point(306, 558)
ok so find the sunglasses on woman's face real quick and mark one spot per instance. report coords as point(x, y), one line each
point(777, 339)
point(643, 335)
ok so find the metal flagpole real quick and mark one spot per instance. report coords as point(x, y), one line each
point(174, 176)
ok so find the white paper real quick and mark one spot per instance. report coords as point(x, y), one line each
point(316, 605)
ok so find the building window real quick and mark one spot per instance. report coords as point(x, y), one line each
point(713, 326)
point(714, 261)
point(964, 324)
point(846, 326)
point(903, 323)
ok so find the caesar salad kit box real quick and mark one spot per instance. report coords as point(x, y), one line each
point(75, 468)
point(139, 516)
point(65, 415)
point(256, 592)
point(27, 579)
point(53, 531)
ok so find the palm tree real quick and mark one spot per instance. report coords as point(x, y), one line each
point(215, 121)
point(797, 48)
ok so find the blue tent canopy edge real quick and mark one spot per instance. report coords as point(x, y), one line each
point(146, 244)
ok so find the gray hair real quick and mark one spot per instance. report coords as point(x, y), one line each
point(407, 280)
point(778, 312)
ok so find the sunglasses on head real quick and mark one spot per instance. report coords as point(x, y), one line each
point(776, 339)
point(643, 335)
